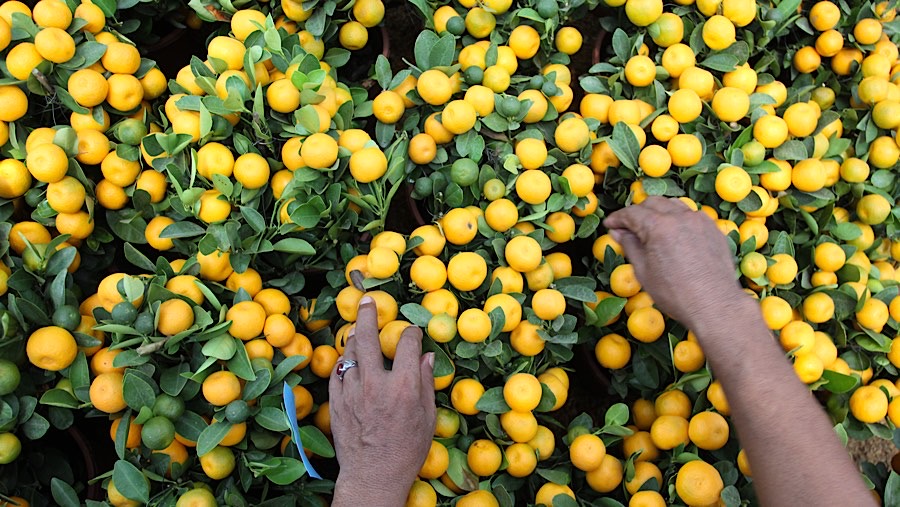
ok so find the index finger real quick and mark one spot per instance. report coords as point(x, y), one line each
point(409, 350)
point(368, 346)
point(637, 219)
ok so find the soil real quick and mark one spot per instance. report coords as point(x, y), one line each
point(873, 450)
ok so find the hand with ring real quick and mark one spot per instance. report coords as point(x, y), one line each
point(382, 420)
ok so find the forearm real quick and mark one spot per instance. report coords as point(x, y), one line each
point(789, 440)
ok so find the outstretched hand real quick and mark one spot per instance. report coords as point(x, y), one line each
point(679, 256)
point(382, 420)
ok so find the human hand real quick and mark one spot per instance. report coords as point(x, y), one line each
point(382, 421)
point(680, 257)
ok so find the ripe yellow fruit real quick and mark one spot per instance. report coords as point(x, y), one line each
point(55, 45)
point(568, 40)
point(459, 116)
point(685, 105)
point(808, 175)
point(571, 135)
point(685, 150)
point(824, 15)
point(698, 483)
point(643, 12)
point(434, 87)
point(388, 107)
point(229, 51)
point(175, 316)
point(640, 70)
point(587, 452)
point(770, 131)
point(733, 183)
point(47, 163)
point(251, 170)
point(868, 404)
point(319, 151)
point(106, 392)
point(718, 33)
point(807, 60)
point(51, 348)
point(466, 271)
point(524, 40)
point(66, 195)
point(731, 104)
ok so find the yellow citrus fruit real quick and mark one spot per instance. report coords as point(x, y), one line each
point(571, 135)
point(51, 348)
point(868, 404)
point(731, 104)
point(434, 87)
point(466, 271)
point(388, 107)
point(698, 483)
point(465, 394)
point(106, 392)
point(718, 33)
point(319, 151)
point(221, 388)
point(643, 12)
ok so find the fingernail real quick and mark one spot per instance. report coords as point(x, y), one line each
point(366, 300)
point(430, 358)
point(616, 235)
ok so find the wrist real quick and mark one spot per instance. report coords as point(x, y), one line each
point(726, 305)
point(353, 489)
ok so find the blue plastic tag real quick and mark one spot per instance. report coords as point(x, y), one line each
point(290, 408)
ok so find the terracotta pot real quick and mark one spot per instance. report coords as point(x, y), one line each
point(94, 490)
point(414, 207)
point(589, 371)
point(598, 46)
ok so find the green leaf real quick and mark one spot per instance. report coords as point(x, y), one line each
point(239, 364)
point(416, 314)
point(182, 229)
point(137, 392)
point(211, 436)
point(548, 399)
point(221, 347)
point(424, 45)
point(316, 441)
point(892, 490)
point(59, 398)
point(35, 427)
point(256, 387)
point(791, 150)
point(63, 494)
point(442, 52)
point(283, 471)
point(383, 72)
point(272, 418)
point(721, 62)
point(731, 496)
point(190, 425)
point(492, 401)
point(625, 145)
point(135, 257)
point(617, 415)
point(130, 481)
point(578, 288)
point(839, 383)
point(608, 309)
point(846, 231)
point(295, 246)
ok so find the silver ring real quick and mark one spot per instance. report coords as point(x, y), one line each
point(345, 365)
